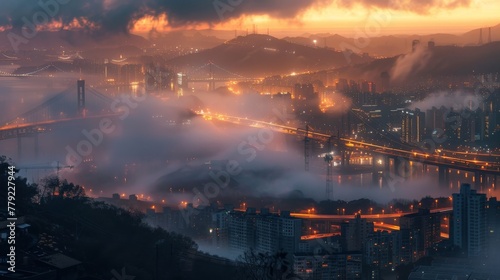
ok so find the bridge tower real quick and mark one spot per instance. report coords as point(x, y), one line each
point(329, 171)
point(81, 97)
point(211, 83)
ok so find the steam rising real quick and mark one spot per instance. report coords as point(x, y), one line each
point(457, 100)
point(409, 64)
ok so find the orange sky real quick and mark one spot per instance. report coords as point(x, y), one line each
point(334, 19)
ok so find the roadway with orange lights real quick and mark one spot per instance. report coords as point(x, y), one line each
point(12, 127)
point(368, 216)
point(492, 167)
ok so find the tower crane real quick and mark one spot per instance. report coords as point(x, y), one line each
point(56, 166)
point(329, 172)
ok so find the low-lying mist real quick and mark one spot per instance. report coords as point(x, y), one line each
point(162, 149)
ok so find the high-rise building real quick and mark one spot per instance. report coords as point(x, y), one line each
point(425, 231)
point(493, 213)
point(378, 252)
point(435, 119)
point(336, 266)
point(241, 230)
point(412, 126)
point(219, 230)
point(402, 252)
point(304, 91)
point(469, 222)
point(385, 79)
point(355, 232)
point(342, 85)
point(290, 232)
point(265, 232)
point(368, 87)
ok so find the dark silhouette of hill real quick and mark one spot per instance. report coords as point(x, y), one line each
point(435, 62)
point(392, 45)
point(184, 39)
point(260, 55)
point(71, 40)
point(100, 236)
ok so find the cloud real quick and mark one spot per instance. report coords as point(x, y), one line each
point(121, 15)
point(421, 7)
point(116, 16)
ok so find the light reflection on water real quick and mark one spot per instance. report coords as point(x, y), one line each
point(430, 176)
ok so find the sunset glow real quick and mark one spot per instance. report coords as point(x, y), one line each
point(346, 21)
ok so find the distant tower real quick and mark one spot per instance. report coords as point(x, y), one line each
point(106, 61)
point(489, 35)
point(431, 44)
point(480, 36)
point(81, 97)
point(254, 29)
point(414, 45)
point(385, 81)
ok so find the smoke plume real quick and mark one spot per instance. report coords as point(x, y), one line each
point(410, 64)
point(457, 100)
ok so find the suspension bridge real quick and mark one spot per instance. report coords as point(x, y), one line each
point(57, 110)
point(210, 73)
point(35, 73)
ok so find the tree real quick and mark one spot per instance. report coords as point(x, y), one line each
point(54, 187)
point(263, 266)
point(23, 194)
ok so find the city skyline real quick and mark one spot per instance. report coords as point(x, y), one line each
point(249, 140)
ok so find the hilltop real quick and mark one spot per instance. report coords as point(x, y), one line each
point(259, 55)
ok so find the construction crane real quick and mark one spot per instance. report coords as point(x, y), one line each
point(329, 171)
point(57, 166)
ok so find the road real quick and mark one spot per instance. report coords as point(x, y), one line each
point(458, 160)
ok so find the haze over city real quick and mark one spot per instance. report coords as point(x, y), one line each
point(250, 139)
